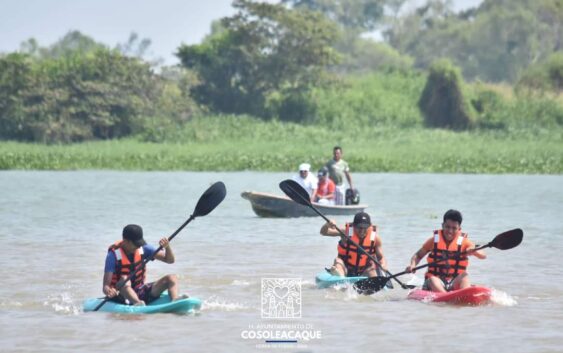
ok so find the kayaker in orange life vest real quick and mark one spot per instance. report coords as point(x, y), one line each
point(350, 261)
point(125, 256)
point(447, 244)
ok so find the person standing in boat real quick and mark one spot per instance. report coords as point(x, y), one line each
point(338, 170)
point(307, 180)
point(127, 255)
point(325, 188)
point(448, 249)
point(351, 261)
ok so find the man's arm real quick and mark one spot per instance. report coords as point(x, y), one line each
point(480, 254)
point(415, 259)
point(379, 253)
point(166, 254)
point(349, 178)
point(109, 269)
point(329, 229)
point(106, 287)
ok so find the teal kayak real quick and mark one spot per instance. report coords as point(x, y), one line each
point(160, 305)
point(326, 280)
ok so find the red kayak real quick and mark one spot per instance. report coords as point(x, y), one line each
point(473, 295)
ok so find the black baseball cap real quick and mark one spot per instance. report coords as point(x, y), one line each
point(134, 233)
point(362, 220)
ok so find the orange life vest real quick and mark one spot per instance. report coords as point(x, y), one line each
point(356, 261)
point(124, 267)
point(453, 262)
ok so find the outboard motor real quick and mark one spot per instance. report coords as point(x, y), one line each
point(352, 197)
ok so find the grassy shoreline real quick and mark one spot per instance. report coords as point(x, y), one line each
point(271, 146)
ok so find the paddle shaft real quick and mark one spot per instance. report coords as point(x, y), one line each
point(121, 283)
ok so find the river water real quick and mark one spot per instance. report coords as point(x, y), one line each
point(55, 228)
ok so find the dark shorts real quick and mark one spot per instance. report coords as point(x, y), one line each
point(447, 285)
point(143, 292)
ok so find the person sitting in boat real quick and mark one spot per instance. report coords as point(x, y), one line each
point(128, 254)
point(338, 170)
point(325, 188)
point(448, 249)
point(351, 261)
point(307, 180)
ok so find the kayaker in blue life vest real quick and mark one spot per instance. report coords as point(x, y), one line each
point(452, 247)
point(127, 255)
point(351, 261)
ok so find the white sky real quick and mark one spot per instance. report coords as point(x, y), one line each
point(168, 23)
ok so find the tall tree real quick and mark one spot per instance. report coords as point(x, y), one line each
point(356, 15)
point(494, 42)
point(70, 44)
point(262, 51)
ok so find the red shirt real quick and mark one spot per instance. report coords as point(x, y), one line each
point(325, 188)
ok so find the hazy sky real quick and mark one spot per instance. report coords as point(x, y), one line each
point(168, 23)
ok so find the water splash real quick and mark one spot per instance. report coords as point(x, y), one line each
point(63, 303)
point(308, 282)
point(10, 304)
point(213, 303)
point(501, 298)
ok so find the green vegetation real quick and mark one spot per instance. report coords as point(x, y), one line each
point(495, 42)
point(263, 61)
point(231, 143)
point(275, 85)
point(77, 90)
point(442, 102)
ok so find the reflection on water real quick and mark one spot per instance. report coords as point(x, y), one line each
point(56, 227)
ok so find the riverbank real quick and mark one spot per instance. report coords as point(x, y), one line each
point(246, 144)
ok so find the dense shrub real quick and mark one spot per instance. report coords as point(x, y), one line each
point(442, 102)
point(81, 96)
point(544, 76)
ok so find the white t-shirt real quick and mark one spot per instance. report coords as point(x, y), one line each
point(309, 183)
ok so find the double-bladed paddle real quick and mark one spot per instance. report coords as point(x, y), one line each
point(210, 199)
point(296, 192)
point(504, 241)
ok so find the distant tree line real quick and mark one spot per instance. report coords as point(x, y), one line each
point(79, 90)
point(267, 60)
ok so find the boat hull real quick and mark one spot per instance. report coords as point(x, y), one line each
point(269, 205)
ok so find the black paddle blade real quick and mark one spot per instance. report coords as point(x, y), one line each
point(508, 240)
point(295, 192)
point(371, 285)
point(210, 199)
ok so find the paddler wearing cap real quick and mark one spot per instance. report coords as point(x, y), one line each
point(127, 255)
point(351, 261)
point(307, 180)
